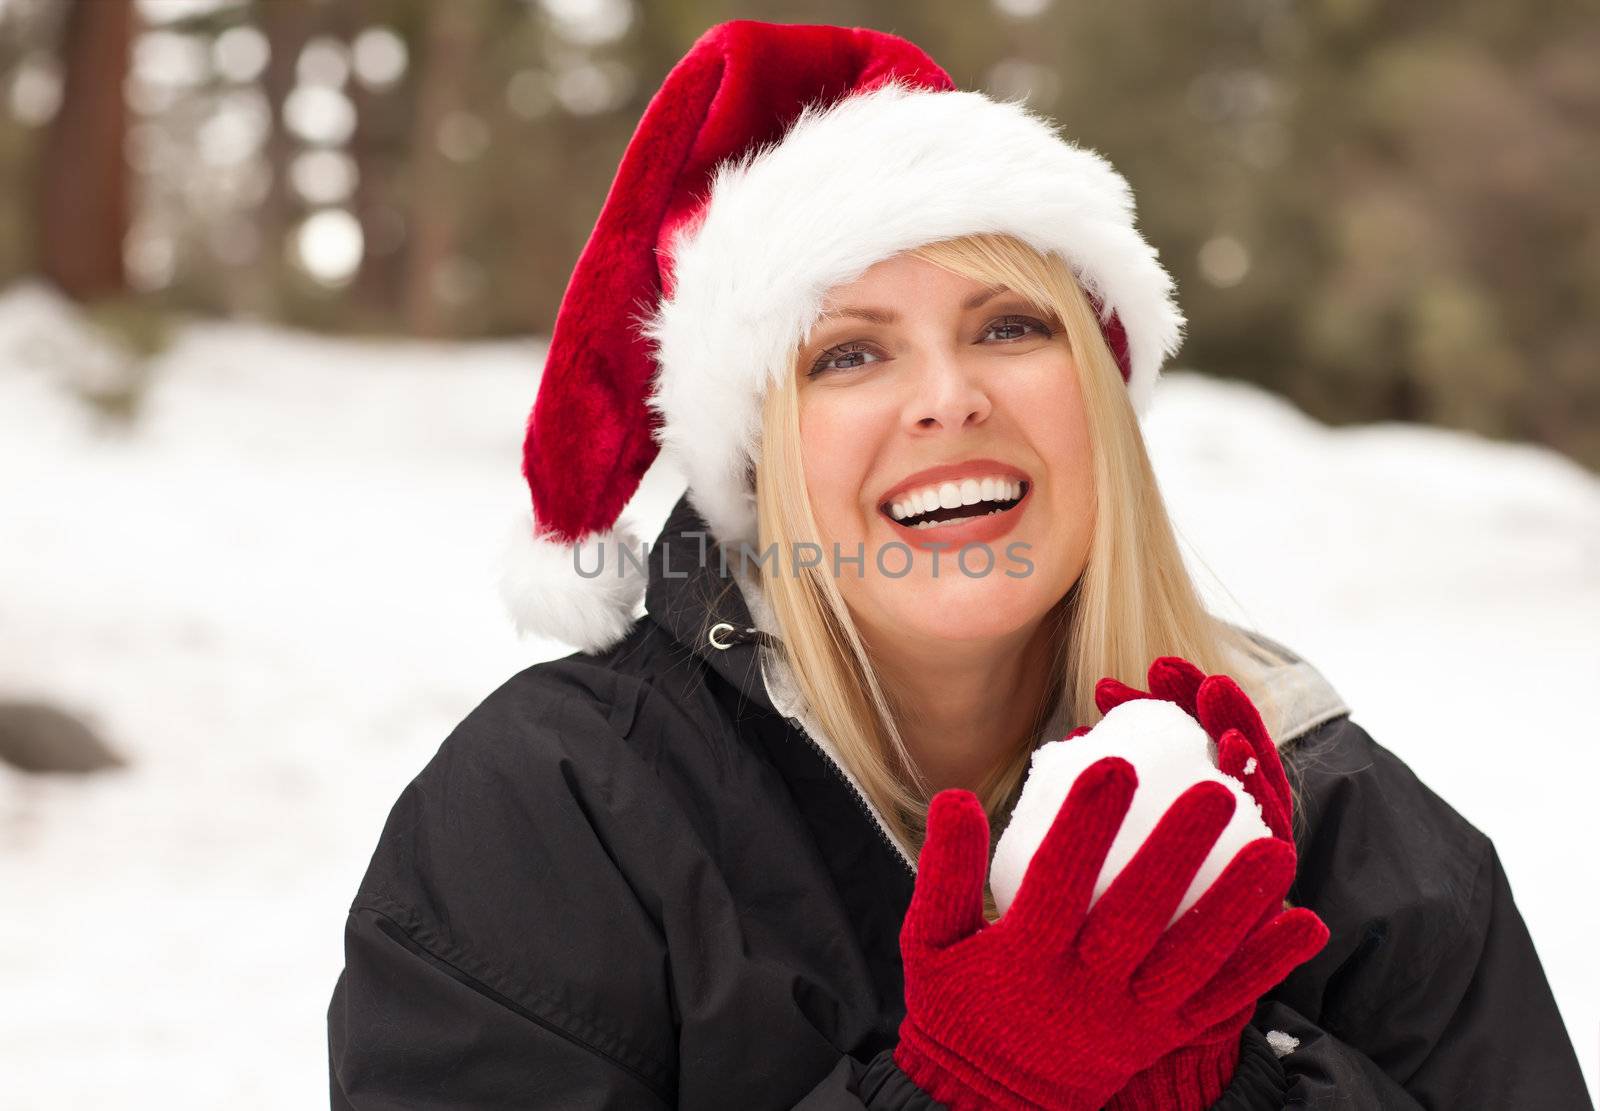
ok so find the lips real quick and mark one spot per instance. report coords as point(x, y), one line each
point(951, 506)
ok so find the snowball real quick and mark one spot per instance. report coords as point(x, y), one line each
point(1169, 751)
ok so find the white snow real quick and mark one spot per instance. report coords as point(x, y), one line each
point(1169, 752)
point(277, 594)
point(1282, 1044)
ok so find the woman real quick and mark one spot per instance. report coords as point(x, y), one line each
point(888, 323)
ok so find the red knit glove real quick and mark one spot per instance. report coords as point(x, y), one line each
point(1058, 1005)
point(1195, 1076)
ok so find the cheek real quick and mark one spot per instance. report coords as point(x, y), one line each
point(1050, 409)
point(837, 439)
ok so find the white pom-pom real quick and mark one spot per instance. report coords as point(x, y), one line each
point(586, 595)
point(1169, 751)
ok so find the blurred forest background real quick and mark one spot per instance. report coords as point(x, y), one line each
point(1381, 211)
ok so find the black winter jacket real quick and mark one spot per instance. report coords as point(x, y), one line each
point(628, 880)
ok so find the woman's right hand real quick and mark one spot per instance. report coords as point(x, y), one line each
point(1059, 1003)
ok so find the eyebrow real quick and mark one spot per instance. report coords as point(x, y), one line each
point(889, 316)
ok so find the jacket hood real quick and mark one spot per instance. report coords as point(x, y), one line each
point(723, 617)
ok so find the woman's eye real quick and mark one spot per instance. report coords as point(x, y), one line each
point(846, 356)
point(852, 356)
point(1015, 327)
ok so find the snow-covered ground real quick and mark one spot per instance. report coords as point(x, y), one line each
point(275, 596)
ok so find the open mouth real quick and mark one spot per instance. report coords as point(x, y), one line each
point(954, 502)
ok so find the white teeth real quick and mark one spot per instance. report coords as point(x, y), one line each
point(954, 495)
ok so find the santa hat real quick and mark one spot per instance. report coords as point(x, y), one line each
point(775, 163)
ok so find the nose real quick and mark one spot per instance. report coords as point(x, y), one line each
point(946, 396)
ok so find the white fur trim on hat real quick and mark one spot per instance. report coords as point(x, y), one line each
point(848, 186)
point(586, 595)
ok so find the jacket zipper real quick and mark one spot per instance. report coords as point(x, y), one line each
point(861, 800)
point(724, 636)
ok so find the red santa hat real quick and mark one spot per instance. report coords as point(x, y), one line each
point(775, 163)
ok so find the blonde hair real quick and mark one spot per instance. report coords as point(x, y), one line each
point(1133, 602)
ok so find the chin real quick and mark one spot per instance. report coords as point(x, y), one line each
point(965, 609)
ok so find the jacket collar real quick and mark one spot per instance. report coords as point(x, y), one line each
point(720, 614)
point(702, 608)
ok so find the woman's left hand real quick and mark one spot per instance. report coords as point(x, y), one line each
point(1247, 752)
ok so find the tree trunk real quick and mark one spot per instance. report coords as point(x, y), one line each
point(83, 173)
point(431, 222)
point(382, 126)
point(287, 25)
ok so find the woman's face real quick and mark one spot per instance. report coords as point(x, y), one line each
point(945, 439)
